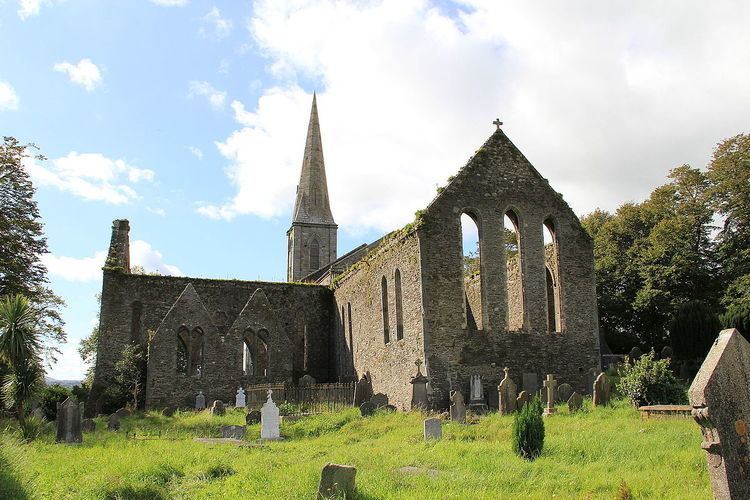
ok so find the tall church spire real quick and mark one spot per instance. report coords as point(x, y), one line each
point(312, 237)
point(312, 204)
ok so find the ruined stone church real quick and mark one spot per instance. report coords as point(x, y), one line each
point(529, 306)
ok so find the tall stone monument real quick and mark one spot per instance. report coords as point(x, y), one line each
point(69, 414)
point(602, 390)
point(419, 389)
point(269, 419)
point(362, 390)
point(550, 383)
point(458, 407)
point(476, 394)
point(200, 401)
point(720, 399)
point(506, 394)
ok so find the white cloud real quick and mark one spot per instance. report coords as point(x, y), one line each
point(603, 98)
point(158, 211)
point(30, 8)
point(89, 269)
point(84, 73)
point(91, 176)
point(8, 98)
point(81, 270)
point(170, 3)
point(196, 152)
point(215, 97)
point(216, 25)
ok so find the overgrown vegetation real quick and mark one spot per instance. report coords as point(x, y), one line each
point(650, 381)
point(528, 431)
point(589, 454)
point(693, 329)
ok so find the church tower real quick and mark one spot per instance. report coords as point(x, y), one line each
point(312, 237)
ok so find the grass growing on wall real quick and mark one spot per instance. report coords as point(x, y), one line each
point(586, 455)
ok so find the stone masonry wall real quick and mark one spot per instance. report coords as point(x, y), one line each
point(303, 312)
point(391, 365)
point(497, 179)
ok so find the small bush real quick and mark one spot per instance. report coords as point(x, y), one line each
point(528, 431)
point(737, 316)
point(650, 381)
point(49, 397)
point(32, 427)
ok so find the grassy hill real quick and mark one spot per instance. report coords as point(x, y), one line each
point(592, 454)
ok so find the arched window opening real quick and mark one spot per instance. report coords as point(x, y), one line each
point(314, 255)
point(195, 365)
point(255, 353)
point(384, 304)
point(182, 351)
point(472, 271)
point(136, 312)
point(552, 276)
point(513, 270)
point(399, 306)
point(351, 336)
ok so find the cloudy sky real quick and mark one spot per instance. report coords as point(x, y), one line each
point(188, 117)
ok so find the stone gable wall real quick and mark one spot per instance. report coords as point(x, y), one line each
point(496, 179)
point(390, 365)
point(299, 308)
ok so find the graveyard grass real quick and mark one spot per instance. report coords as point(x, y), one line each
point(586, 455)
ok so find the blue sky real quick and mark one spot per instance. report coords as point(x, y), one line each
point(188, 117)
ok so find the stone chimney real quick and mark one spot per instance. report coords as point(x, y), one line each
point(119, 247)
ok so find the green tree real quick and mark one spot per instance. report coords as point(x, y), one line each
point(22, 242)
point(528, 430)
point(130, 373)
point(20, 348)
point(729, 172)
point(652, 257)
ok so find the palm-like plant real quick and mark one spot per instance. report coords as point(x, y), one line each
point(20, 346)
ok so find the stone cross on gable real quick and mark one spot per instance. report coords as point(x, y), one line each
point(550, 383)
point(497, 123)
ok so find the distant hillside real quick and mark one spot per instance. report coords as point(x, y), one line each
point(65, 383)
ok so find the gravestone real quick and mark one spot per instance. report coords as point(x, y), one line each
point(169, 411)
point(113, 423)
point(88, 425)
point(217, 408)
point(306, 380)
point(37, 413)
point(549, 384)
point(530, 384)
point(458, 407)
point(720, 399)
point(69, 414)
point(200, 401)
point(362, 390)
point(506, 393)
point(419, 389)
point(602, 390)
point(379, 400)
point(522, 400)
point(476, 394)
point(575, 402)
point(564, 392)
point(123, 412)
point(590, 379)
point(269, 419)
point(367, 408)
point(433, 429)
point(233, 431)
point(634, 354)
point(252, 417)
point(239, 398)
point(337, 481)
point(666, 352)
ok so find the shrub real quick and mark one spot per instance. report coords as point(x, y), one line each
point(528, 431)
point(650, 381)
point(693, 329)
point(737, 316)
point(49, 397)
point(32, 427)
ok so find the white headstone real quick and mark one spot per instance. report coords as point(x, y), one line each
point(200, 401)
point(269, 419)
point(239, 399)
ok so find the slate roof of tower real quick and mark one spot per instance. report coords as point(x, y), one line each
point(312, 205)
